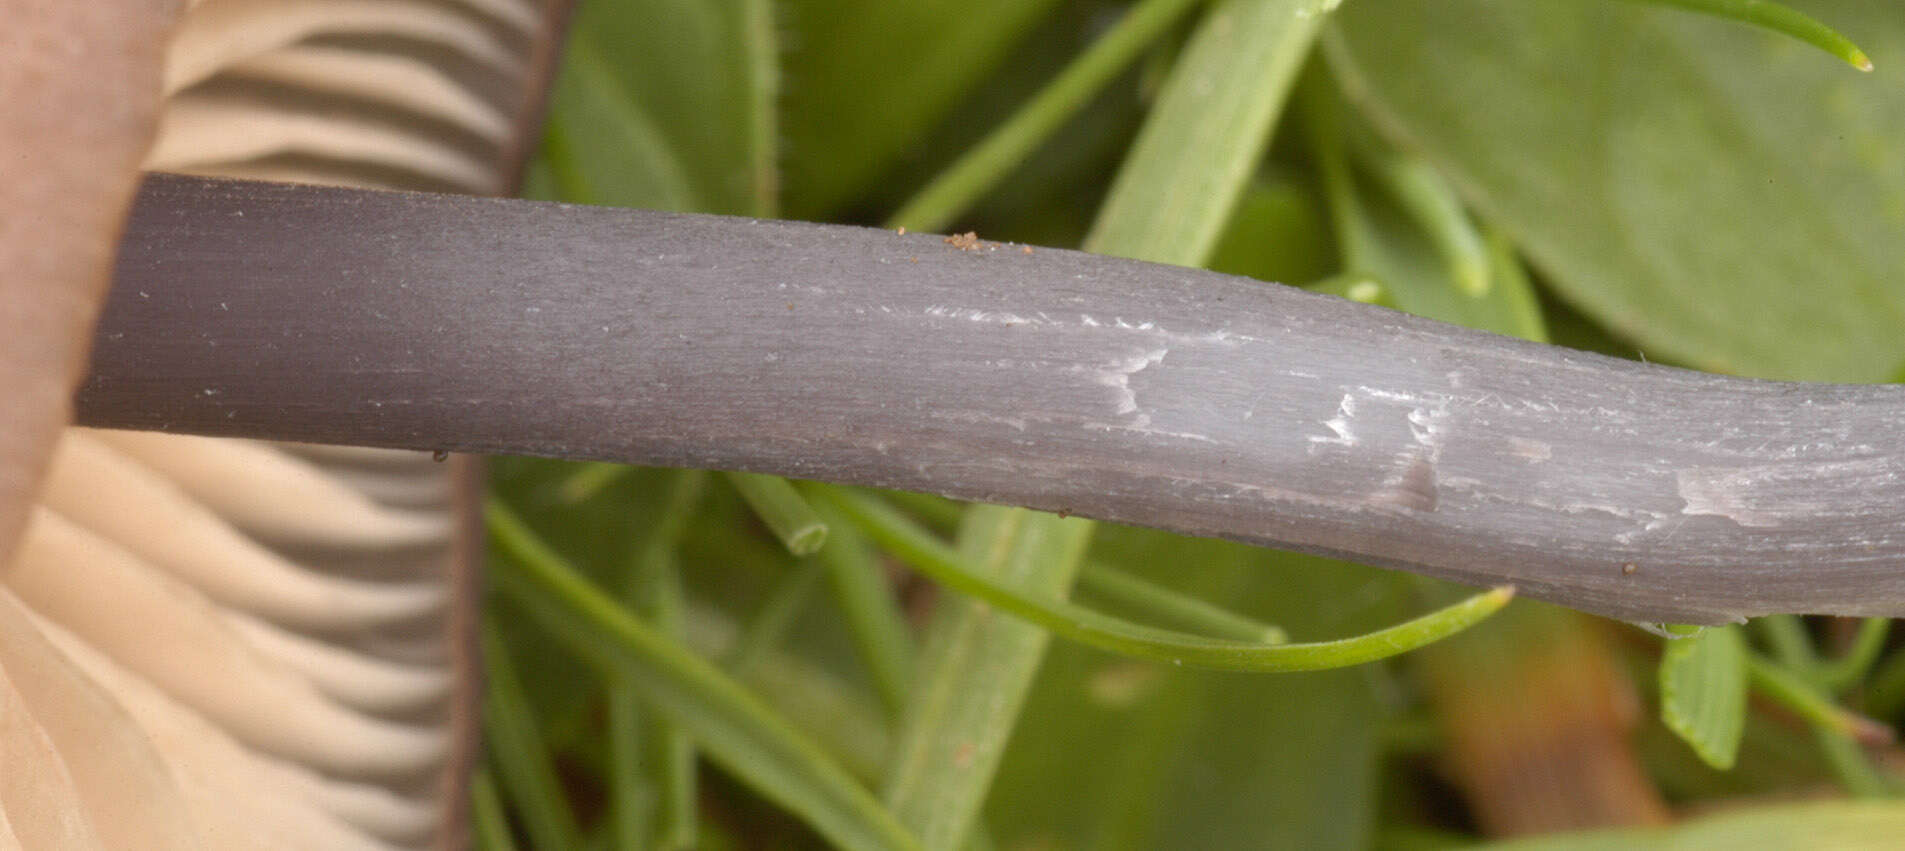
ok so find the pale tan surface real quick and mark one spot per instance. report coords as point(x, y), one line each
point(209, 643)
point(79, 100)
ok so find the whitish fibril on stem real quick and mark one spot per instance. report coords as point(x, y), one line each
point(1779, 19)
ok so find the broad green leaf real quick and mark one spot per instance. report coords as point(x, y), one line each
point(668, 104)
point(1833, 825)
point(1723, 196)
point(1122, 754)
point(867, 79)
point(1703, 692)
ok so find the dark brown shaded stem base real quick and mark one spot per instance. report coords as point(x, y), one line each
point(1127, 391)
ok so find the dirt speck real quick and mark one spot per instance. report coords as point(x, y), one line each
point(901, 230)
point(968, 241)
point(1025, 249)
point(1629, 568)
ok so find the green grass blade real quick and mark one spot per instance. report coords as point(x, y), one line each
point(940, 563)
point(1703, 693)
point(1786, 636)
point(770, 622)
point(1428, 198)
point(1837, 729)
point(1885, 694)
point(665, 751)
point(1780, 19)
point(872, 613)
point(632, 792)
point(516, 748)
point(1169, 606)
point(974, 673)
point(1207, 132)
point(985, 164)
point(1355, 287)
point(732, 726)
point(486, 811)
point(589, 479)
point(779, 506)
point(1513, 288)
point(760, 95)
point(1846, 671)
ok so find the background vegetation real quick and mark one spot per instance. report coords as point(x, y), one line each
point(687, 659)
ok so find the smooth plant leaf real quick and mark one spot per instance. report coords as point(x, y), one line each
point(1703, 693)
point(1836, 825)
point(1724, 197)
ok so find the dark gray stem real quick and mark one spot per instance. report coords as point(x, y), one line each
point(1128, 391)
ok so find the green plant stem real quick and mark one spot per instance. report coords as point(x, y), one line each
point(760, 47)
point(517, 750)
point(1779, 19)
point(974, 673)
point(1846, 671)
point(1855, 770)
point(1355, 235)
point(982, 166)
point(661, 747)
point(632, 792)
point(1787, 639)
point(937, 511)
point(1514, 288)
point(589, 478)
point(1885, 693)
point(1426, 196)
point(940, 563)
point(486, 811)
point(1787, 688)
point(1169, 606)
point(1355, 287)
point(1838, 730)
point(731, 725)
point(1207, 132)
point(779, 506)
point(867, 603)
point(769, 624)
